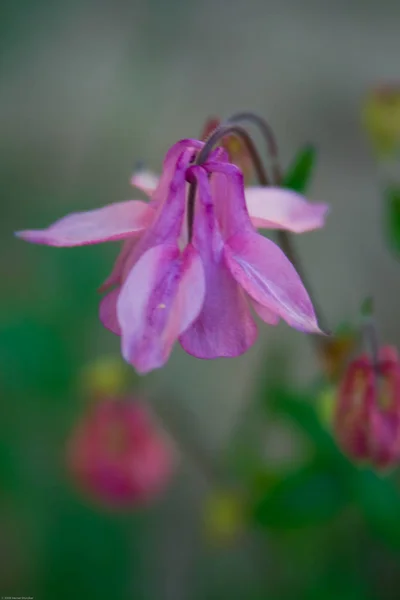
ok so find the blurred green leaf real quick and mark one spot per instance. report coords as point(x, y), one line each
point(298, 176)
point(379, 501)
point(328, 586)
point(32, 356)
point(91, 554)
point(310, 496)
point(299, 408)
point(392, 209)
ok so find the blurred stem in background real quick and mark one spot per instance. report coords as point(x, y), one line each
point(381, 121)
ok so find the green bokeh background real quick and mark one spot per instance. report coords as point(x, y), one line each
point(87, 89)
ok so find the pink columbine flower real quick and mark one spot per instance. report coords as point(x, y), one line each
point(367, 415)
point(167, 287)
point(118, 456)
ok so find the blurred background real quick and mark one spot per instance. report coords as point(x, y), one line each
point(87, 90)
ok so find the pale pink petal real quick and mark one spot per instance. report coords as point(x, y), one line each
point(146, 181)
point(266, 314)
point(280, 208)
point(112, 222)
point(225, 326)
point(268, 277)
point(160, 298)
point(108, 311)
point(119, 269)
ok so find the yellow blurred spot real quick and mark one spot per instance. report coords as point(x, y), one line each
point(326, 403)
point(106, 376)
point(162, 306)
point(381, 119)
point(336, 353)
point(224, 515)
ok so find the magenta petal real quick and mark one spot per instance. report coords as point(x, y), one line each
point(266, 314)
point(225, 326)
point(113, 222)
point(108, 311)
point(268, 277)
point(160, 298)
point(229, 201)
point(167, 224)
point(187, 147)
point(279, 208)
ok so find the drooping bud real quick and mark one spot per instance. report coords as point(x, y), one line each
point(118, 456)
point(367, 415)
point(235, 148)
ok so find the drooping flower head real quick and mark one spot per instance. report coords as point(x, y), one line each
point(194, 273)
point(367, 415)
point(118, 456)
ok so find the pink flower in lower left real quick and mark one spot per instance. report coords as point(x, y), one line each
point(119, 456)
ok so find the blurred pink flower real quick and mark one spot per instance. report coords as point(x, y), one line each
point(118, 456)
point(166, 287)
point(367, 415)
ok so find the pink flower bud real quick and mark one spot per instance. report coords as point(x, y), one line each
point(118, 456)
point(367, 418)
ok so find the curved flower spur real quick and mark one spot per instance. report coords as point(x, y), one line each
point(194, 278)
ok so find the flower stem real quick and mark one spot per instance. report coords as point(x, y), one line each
point(212, 140)
point(371, 341)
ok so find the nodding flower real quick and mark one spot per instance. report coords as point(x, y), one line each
point(192, 265)
point(118, 456)
point(367, 414)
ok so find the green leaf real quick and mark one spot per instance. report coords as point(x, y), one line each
point(392, 210)
point(379, 501)
point(300, 409)
point(307, 497)
point(298, 176)
point(32, 357)
point(89, 554)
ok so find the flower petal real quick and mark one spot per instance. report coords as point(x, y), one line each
point(108, 311)
point(279, 208)
point(160, 298)
point(268, 277)
point(112, 222)
point(230, 204)
point(146, 181)
point(170, 208)
point(266, 314)
point(187, 147)
point(116, 276)
point(225, 326)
